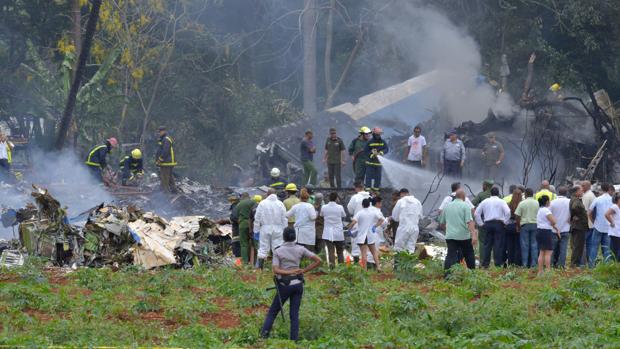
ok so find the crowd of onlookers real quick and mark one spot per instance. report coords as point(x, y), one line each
point(533, 228)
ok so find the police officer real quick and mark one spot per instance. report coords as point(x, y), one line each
point(131, 167)
point(289, 281)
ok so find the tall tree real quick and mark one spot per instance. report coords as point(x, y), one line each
point(308, 28)
point(67, 115)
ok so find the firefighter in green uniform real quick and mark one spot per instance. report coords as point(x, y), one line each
point(97, 158)
point(356, 151)
point(484, 194)
point(244, 209)
point(132, 167)
point(166, 161)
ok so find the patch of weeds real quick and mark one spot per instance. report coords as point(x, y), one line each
point(608, 273)
point(585, 288)
point(147, 304)
point(407, 267)
point(556, 298)
point(195, 336)
point(452, 317)
point(405, 304)
point(95, 279)
point(475, 281)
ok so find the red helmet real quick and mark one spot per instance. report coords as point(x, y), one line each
point(113, 142)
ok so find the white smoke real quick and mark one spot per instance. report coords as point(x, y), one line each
point(430, 41)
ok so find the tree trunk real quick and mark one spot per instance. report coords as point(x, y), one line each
point(76, 14)
point(345, 71)
point(329, 36)
point(308, 27)
point(67, 115)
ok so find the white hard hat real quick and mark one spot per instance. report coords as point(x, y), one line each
point(275, 172)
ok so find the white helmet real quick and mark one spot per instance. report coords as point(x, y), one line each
point(275, 172)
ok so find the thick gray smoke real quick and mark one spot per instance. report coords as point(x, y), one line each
point(67, 179)
point(432, 42)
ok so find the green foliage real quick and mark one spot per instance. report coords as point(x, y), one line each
point(608, 273)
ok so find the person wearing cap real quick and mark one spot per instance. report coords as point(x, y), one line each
point(357, 154)
point(452, 156)
point(233, 220)
point(97, 157)
point(493, 155)
point(307, 150)
point(407, 212)
point(166, 161)
point(417, 154)
point(334, 158)
point(244, 209)
point(375, 147)
point(290, 201)
point(131, 167)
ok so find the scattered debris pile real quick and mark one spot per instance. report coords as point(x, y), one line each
point(113, 235)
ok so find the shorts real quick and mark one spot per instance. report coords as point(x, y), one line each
point(544, 238)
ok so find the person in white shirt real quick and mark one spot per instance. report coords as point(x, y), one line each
point(269, 222)
point(417, 154)
point(493, 213)
point(448, 199)
point(600, 230)
point(560, 209)
point(367, 221)
point(305, 217)
point(613, 217)
point(6, 148)
point(353, 207)
point(333, 234)
point(546, 225)
point(587, 199)
point(407, 212)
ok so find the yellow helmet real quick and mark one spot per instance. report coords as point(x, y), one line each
point(290, 187)
point(136, 154)
point(555, 87)
point(364, 129)
point(257, 198)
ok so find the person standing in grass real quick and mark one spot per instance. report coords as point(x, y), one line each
point(289, 281)
point(560, 208)
point(600, 230)
point(545, 223)
point(305, 217)
point(333, 234)
point(525, 216)
point(613, 217)
point(461, 233)
point(367, 220)
point(578, 226)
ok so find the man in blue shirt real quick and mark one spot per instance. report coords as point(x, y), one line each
point(599, 236)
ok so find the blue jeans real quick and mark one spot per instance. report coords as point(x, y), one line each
point(373, 173)
point(529, 246)
point(602, 239)
point(560, 246)
point(294, 292)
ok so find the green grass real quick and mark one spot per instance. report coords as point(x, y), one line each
point(344, 308)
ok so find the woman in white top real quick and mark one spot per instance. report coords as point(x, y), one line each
point(333, 234)
point(367, 220)
point(305, 215)
point(545, 222)
point(613, 217)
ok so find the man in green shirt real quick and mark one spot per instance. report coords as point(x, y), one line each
point(525, 217)
point(290, 201)
point(493, 155)
point(334, 158)
point(244, 208)
point(461, 234)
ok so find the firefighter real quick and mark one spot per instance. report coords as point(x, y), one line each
point(97, 157)
point(375, 147)
point(131, 167)
point(276, 182)
point(166, 161)
point(356, 151)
